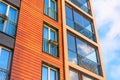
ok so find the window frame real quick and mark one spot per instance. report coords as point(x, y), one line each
point(49, 69)
point(8, 6)
point(49, 6)
point(49, 27)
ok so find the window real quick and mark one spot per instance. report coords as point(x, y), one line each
point(8, 19)
point(83, 4)
point(69, 18)
point(87, 78)
point(50, 8)
point(50, 42)
point(49, 73)
point(83, 54)
point(5, 59)
point(74, 75)
point(79, 23)
point(72, 49)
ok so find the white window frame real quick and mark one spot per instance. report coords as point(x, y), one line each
point(49, 28)
point(7, 13)
point(50, 68)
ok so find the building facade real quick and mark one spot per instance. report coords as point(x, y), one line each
point(49, 40)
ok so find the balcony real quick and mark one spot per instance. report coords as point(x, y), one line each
point(82, 6)
point(3, 74)
point(50, 12)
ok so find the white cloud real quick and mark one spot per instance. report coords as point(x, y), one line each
point(108, 11)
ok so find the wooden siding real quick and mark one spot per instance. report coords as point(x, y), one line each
point(28, 55)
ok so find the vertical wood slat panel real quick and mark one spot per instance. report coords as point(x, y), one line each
point(28, 55)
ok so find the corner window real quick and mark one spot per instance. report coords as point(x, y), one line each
point(50, 8)
point(50, 42)
point(8, 19)
point(49, 73)
point(5, 59)
point(79, 23)
point(83, 54)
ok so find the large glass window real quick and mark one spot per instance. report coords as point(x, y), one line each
point(50, 42)
point(8, 19)
point(83, 4)
point(50, 8)
point(5, 59)
point(83, 54)
point(79, 23)
point(49, 73)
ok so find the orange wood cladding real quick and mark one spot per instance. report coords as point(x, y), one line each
point(28, 54)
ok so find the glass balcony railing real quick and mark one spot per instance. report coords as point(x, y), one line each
point(89, 64)
point(81, 29)
point(50, 12)
point(3, 74)
point(82, 6)
point(84, 62)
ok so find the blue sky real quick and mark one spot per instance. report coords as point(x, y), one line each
point(107, 15)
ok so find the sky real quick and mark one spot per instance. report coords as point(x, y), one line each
point(107, 16)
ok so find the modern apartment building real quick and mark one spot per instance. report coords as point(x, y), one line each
point(49, 40)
